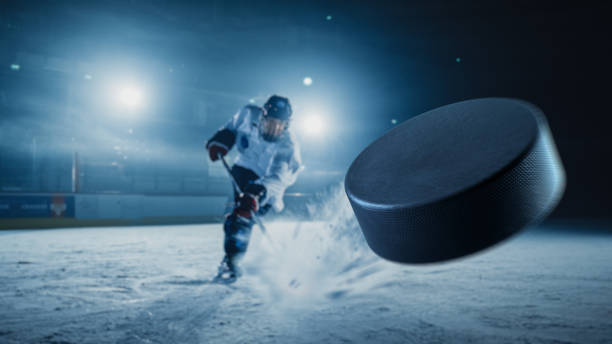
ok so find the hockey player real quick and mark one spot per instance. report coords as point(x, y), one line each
point(268, 162)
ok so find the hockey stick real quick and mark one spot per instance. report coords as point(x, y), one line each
point(237, 188)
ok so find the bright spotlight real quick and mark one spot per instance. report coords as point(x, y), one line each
point(307, 81)
point(312, 125)
point(130, 96)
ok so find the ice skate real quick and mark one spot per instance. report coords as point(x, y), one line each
point(227, 272)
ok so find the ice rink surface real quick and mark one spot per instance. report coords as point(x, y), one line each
point(306, 285)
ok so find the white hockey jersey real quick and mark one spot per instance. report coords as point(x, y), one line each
point(276, 163)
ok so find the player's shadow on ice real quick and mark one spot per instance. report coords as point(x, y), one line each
point(199, 282)
point(190, 282)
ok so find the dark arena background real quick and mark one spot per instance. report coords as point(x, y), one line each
point(111, 210)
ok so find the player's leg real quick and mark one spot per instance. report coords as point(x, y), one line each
point(237, 235)
point(237, 229)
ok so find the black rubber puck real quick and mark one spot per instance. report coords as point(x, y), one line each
point(455, 180)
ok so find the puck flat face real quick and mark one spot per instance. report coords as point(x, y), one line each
point(455, 180)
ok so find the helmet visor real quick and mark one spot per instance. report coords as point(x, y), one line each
point(272, 128)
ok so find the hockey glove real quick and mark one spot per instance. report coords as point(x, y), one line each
point(249, 200)
point(245, 204)
point(256, 190)
point(214, 149)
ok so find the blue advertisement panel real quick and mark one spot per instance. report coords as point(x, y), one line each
point(15, 206)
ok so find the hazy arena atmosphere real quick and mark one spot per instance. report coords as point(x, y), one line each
point(305, 172)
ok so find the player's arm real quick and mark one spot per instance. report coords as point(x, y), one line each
point(283, 173)
point(270, 188)
point(223, 140)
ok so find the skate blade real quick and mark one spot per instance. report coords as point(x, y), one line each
point(224, 279)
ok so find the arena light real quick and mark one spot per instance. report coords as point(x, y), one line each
point(307, 81)
point(130, 96)
point(313, 125)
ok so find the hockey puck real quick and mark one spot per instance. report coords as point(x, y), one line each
point(455, 180)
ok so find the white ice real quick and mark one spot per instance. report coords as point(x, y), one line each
point(313, 282)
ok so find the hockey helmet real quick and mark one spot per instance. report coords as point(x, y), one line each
point(275, 118)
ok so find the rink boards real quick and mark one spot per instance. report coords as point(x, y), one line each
point(58, 210)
